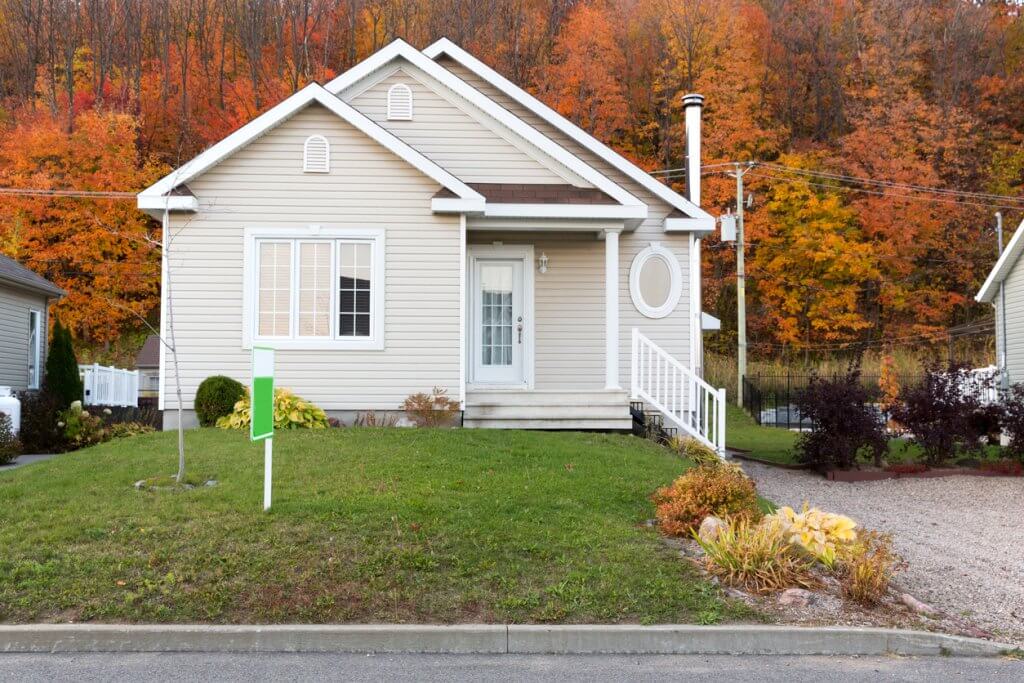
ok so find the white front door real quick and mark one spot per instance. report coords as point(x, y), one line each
point(500, 328)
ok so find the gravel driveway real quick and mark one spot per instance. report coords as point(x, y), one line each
point(963, 537)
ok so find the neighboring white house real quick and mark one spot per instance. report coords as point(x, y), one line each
point(421, 221)
point(1004, 289)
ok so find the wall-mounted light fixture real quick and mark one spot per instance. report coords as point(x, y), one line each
point(542, 263)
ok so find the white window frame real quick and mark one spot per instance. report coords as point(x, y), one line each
point(306, 168)
point(675, 289)
point(35, 380)
point(313, 233)
point(392, 116)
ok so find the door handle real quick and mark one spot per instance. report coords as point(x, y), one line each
point(519, 328)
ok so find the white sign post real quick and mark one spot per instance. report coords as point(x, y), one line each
point(261, 412)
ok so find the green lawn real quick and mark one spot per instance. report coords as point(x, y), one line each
point(396, 525)
point(765, 443)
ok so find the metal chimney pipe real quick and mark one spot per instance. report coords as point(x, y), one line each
point(692, 106)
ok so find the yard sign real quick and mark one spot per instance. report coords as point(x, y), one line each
point(261, 411)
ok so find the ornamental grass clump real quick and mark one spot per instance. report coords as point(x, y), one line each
point(290, 412)
point(708, 490)
point(822, 535)
point(866, 567)
point(757, 556)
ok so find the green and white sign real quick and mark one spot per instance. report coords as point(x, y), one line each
point(261, 412)
point(262, 393)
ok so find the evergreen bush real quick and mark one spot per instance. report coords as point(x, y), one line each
point(62, 380)
point(216, 397)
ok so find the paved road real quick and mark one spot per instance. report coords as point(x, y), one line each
point(83, 668)
point(27, 460)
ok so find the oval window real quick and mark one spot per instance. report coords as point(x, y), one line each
point(655, 281)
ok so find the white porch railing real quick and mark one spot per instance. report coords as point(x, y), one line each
point(678, 393)
point(108, 386)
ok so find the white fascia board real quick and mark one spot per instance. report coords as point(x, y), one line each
point(456, 205)
point(701, 225)
point(399, 48)
point(613, 211)
point(709, 323)
point(1003, 266)
point(155, 205)
point(659, 189)
point(314, 92)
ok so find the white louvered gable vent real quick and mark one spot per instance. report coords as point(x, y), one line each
point(316, 155)
point(399, 102)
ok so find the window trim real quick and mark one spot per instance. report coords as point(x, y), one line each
point(36, 381)
point(313, 233)
point(675, 289)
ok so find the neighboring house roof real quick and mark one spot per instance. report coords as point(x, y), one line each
point(528, 193)
point(156, 196)
point(634, 172)
point(13, 272)
point(1003, 266)
point(149, 354)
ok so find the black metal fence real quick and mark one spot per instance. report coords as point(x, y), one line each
point(770, 399)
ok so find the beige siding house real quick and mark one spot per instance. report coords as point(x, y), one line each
point(420, 221)
point(24, 322)
point(1004, 289)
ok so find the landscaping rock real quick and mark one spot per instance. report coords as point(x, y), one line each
point(139, 484)
point(796, 597)
point(917, 606)
point(211, 482)
point(710, 528)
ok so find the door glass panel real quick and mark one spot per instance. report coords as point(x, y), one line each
point(496, 314)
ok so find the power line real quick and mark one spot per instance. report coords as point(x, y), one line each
point(80, 194)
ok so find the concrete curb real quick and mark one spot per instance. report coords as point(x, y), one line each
point(492, 639)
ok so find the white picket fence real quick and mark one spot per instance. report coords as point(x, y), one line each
point(109, 386)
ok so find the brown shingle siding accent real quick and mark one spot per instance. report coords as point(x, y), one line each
point(522, 193)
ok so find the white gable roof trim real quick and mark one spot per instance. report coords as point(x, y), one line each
point(699, 220)
point(1003, 266)
point(155, 196)
point(400, 48)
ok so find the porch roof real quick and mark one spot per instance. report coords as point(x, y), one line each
point(543, 193)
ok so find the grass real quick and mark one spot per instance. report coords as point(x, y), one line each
point(765, 443)
point(368, 525)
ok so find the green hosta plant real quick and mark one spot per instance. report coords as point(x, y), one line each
point(290, 412)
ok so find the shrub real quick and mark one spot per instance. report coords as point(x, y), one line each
point(124, 429)
point(844, 424)
point(372, 419)
point(757, 557)
point(62, 379)
point(216, 397)
point(290, 412)
point(39, 431)
point(866, 568)
point(822, 535)
point(81, 428)
point(9, 445)
point(703, 491)
point(431, 410)
point(694, 450)
point(943, 412)
point(1013, 420)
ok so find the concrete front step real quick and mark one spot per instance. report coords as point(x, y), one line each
point(582, 397)
point(578, 424)
point(561, 412)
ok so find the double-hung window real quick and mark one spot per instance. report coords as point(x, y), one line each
point(324, 290)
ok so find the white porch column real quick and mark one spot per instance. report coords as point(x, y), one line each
point(611, 308)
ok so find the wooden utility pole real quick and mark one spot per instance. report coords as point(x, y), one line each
point(741, 285)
